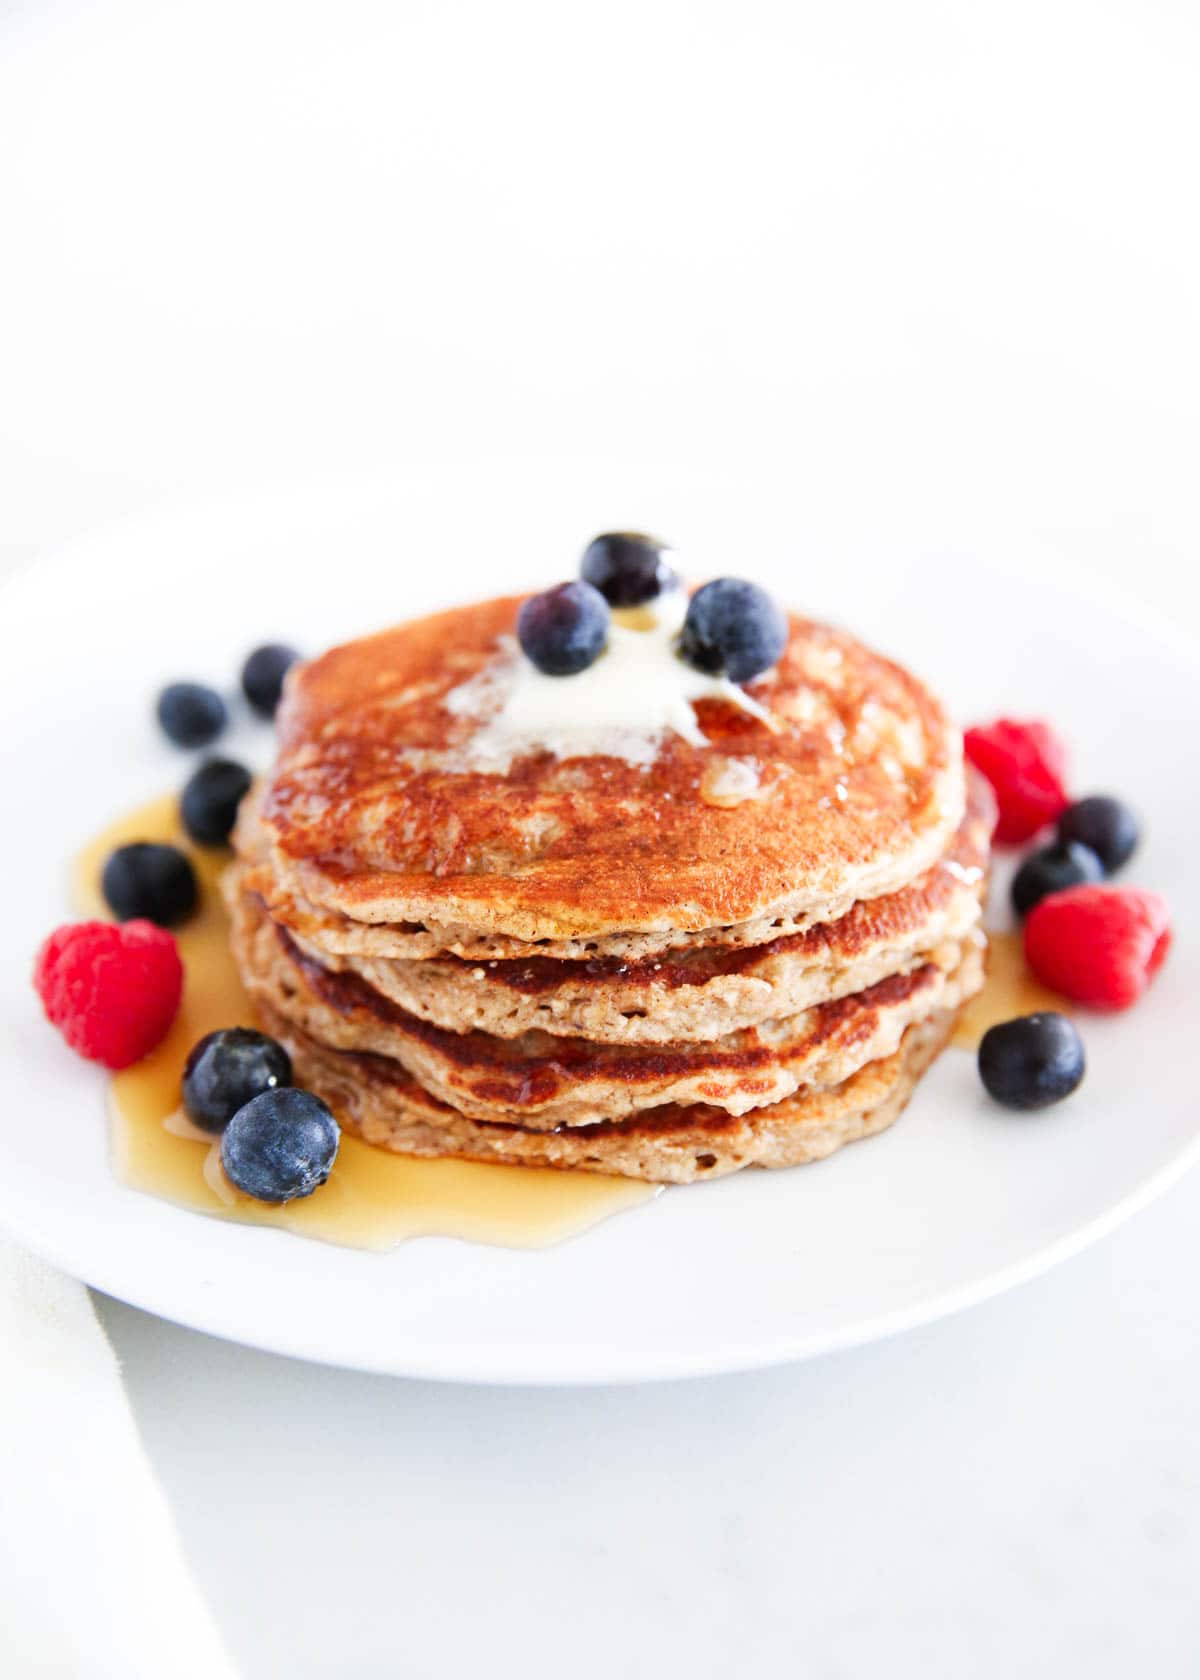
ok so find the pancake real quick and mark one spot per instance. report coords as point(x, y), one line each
point(542, 1082)
point(341, 936)
point(503, 916)
point(376, 811)
point(377, 1101)
point(700, 993)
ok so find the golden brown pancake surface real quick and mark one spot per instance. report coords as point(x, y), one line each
point(697, 992)
point(371, 811)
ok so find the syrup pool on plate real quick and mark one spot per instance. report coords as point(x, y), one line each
point(373, 1199)
point(1011, 989)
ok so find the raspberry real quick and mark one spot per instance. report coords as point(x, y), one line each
point(112, 991)
point(1100, 945)
point(1026, 764)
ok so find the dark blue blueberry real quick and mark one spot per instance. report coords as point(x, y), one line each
point(1031, 1062)
point(1050, 870)
point(733, 629)
point(226, 1069)
point(563, 630)
point(210, 799)
point(280, 1145)
point(263, 674)
point(191, 715)
point(1105, 825)
point(150, 882)
point(628, 567)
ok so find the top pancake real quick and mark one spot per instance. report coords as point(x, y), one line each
point(375, 811)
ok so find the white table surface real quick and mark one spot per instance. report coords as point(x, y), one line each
point(935, 269)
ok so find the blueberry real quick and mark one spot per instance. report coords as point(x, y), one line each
point(281, 1145)
point(563, 630)
point(151, 882)
point(191, 715)
point(263, 674)
point(226, 1069)
point(733, 628)
point(628, 567)
point(1050, 870)
point(1031, 1062)
point(1105, 825)
point(210, 800)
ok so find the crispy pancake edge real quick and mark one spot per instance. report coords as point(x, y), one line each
point(388, 1109)
point(700, 993)
point(540, 1081)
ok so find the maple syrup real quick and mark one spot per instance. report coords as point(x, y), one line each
point(1011, 989)
point(373, 1199)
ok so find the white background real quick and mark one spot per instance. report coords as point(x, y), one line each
point(930, 273)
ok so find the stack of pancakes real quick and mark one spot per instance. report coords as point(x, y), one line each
point(742, 950)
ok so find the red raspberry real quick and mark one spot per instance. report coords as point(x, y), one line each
point(1026, 764)
point(112, 991)
point(1097, 944)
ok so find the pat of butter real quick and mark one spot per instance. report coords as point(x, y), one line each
point(621, 706)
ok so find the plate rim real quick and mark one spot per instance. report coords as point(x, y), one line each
point(626, 1370)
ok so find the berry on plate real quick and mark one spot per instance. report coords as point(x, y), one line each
point(1100, 945)
point(1026, 764)
point(225, 1070)
point(280, 1145)
point(1105, 826)
point(627, 567)
point(733, 629)
point(1063, 864)
point(209, 803)
point(191, 714)
point(111, 990)
point(563, 630)
point(150, 882)
point(1031, 1062)
point(263, 674)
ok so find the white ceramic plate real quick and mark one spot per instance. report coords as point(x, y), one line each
point(958, 1201)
